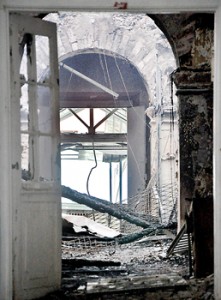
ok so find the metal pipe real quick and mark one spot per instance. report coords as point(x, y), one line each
point(102, 87)
point(120, 180)
point(110, 181)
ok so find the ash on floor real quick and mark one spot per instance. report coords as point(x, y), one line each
point(130, 271)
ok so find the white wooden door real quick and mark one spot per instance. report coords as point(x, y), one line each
point(36, 157)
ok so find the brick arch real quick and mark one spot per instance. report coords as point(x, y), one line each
point(134, 79)
point(132, 36)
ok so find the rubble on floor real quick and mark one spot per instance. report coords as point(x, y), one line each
point(139, 270)
point(82, 224)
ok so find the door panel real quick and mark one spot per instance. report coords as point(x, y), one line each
point(41, 250)
point(35, 157)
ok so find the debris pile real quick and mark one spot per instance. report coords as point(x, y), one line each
point(139, 270)
point(102, 263)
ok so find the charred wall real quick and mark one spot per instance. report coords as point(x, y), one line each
point(196, 144)
point(191, 37)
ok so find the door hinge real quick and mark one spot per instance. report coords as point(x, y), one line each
point(15, 166)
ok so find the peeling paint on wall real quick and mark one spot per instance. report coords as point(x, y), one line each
point(202, 48)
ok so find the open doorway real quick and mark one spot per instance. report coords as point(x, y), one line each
point(15, 167)
point(143, 107)
point(100, 164)
point(120, 118)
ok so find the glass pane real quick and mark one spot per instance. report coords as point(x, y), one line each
point(117, 123)
point(45, 159)
point(24, 108)
point(25, 157)
point(99, 114)
point(23, 65)
point(44, 109)
point(42, 57)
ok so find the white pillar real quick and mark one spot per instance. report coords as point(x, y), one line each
point(217, 156)
point(136, 154)
point(5, 164)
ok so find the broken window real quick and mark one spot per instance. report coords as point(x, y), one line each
point(36, 110)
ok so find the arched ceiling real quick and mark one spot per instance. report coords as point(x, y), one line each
point(134, 37)
point(111, 71)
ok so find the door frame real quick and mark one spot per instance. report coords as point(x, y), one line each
point(36, 200)
point(153, 6)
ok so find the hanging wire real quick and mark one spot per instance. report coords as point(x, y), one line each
point(94, 167)
point(103, 69)
point(108, 75)
point(171, 97)
point(128, 95)
point(131, 103)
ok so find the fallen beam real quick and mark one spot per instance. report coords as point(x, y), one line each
point(79, 263)
point(129, 238)
point(95, 271)
point(104, 206)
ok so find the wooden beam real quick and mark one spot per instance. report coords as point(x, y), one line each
point(105, 118)
point(79, 118)
point(91, 99)
point(100, 138)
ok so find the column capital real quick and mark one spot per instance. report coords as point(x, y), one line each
point(190, 80)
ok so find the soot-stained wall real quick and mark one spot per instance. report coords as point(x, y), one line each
point(191, 37)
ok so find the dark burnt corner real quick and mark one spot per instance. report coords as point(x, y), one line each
point(191, 37)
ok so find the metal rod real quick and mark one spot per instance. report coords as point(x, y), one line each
point(110, 181)
point(102, 87)
point(120, 180)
